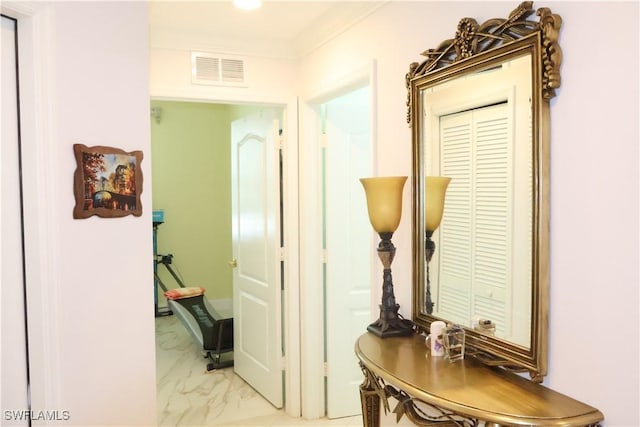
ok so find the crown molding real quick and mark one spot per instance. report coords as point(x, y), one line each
point(336, 20)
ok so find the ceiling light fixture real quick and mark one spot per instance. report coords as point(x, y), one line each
point(247, 4)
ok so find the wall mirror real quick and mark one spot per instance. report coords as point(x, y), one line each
point(478, 106)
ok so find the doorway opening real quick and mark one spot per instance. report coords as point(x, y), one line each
point(337, 148)
point(193, 186)
point(346, 156)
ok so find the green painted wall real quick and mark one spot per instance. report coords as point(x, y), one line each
point(191, 153)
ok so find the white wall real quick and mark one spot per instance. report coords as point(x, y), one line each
point(594, 177)
point(89, 281)
point(106, 334)
point(268, 80)
point(594, 211)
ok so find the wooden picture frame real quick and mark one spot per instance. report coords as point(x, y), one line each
point(107, 182)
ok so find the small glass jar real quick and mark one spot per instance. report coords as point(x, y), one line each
point(453, 338)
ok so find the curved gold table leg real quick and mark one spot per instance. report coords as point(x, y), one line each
point(370, 401)
point(371, 396)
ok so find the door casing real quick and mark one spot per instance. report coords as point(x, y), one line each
point(311, 252)
point(291, 295)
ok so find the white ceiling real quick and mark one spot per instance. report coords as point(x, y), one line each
point(289, 28)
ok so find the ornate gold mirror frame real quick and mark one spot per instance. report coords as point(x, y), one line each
point(477, 48)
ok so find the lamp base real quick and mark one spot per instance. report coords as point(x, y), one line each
point(429, 249)
point(390, 325)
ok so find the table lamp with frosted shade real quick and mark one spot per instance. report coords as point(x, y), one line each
point(435, 190)
point(384, 204)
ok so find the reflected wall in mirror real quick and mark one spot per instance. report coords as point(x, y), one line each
point(479, 111)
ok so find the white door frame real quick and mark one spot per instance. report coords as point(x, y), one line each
point(13, 334)
point(40, 232)
point(311, 253)
point(291, 301)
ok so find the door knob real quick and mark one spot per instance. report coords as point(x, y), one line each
point(233, 263)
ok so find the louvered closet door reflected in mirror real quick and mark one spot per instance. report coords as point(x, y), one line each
point(481, 268)
point(477, 262)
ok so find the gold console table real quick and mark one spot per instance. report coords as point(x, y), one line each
point(431, 391)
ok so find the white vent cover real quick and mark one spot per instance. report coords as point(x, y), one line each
point(214, 69)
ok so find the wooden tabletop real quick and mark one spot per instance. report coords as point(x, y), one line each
point(467, 387)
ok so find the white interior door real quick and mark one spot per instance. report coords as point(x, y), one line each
point(13, 346)
point(349, 245)
point(256, 248)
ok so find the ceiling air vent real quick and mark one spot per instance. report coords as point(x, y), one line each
point(213, 69)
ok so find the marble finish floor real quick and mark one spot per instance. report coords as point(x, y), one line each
point(188, 395)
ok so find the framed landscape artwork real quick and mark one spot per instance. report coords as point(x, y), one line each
point(107, 182)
